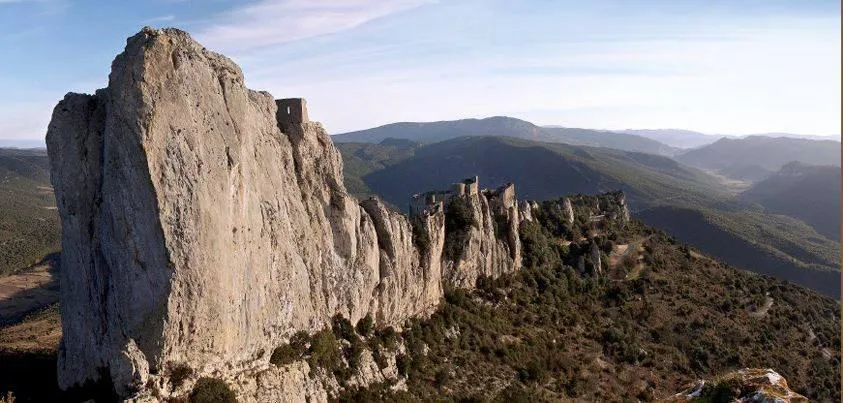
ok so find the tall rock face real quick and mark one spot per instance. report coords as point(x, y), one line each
point(202, 225)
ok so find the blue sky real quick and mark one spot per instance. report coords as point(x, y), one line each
point(716, 66)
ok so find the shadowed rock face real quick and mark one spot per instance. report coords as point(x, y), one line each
point(198, 230)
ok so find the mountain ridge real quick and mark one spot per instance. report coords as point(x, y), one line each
point(430, 132)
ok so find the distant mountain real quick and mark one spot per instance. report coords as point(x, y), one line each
point(831, 137)
point(361, 159)
point(541, 170)
point(432, 132)
point(809, 193)
point(674, 137)
point(545, 171)
point(757, 153)
point(23, 143)
point(746, 173)
point(29, 225)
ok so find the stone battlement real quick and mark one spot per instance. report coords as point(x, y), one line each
point(433, 200)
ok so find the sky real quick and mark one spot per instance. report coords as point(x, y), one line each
point(714, 66)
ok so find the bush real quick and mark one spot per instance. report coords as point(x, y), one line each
point(459, 218)
point(421, 238)
point(211, 390)
point(299, 341)
point(179, 373)
point(325, 351)
point(353, 352)
point(402, 363)
point(288, 353)
point(284, 355)
point(342, 328)
point(388, 337)
point(364, 326)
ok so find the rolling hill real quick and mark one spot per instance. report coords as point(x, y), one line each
point(655, 186)
point(431, 132)
point(809, 193)
point(674, 137)
point(758, 153)
point(29, 224)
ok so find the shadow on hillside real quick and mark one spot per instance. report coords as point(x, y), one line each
point(691, 227)
point(18, 305)
point(31, 376)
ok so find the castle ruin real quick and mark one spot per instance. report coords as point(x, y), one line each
point(437, 200)
point(291, 111)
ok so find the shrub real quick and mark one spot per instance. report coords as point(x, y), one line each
point(325, 351)
point(388, 337)
point(379, 357)
point(402, 363)
point(353, 352)
point(421, 238)
point(342, 328)
point(211, 390)
point(284, 355)
point(364, 326)
point(459, 218)
point(299, 341)
point(179, 373)
point(288, 353)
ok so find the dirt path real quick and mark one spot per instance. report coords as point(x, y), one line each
point(624, 250)
point(762, 311)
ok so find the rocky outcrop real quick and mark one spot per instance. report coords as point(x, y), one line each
point(493, 247)
point(202, 226)
point(745, 385)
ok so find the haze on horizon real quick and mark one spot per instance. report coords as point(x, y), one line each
point(720, 67)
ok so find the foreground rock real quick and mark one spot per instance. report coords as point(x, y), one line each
point(746, 385)
point(204, 223)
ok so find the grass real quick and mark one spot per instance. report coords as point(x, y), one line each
point(29, 223)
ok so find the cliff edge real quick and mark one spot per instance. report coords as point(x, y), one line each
point(204, 223)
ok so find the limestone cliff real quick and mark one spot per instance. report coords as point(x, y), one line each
point(745, 385)
point(202, 225)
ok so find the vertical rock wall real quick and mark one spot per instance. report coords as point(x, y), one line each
point(199, 231)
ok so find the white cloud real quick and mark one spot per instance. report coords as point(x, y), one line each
point(274, 22)
point(163, 18)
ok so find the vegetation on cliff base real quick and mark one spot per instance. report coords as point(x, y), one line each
point(212, 390)
point(549, 333)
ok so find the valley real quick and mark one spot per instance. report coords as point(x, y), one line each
point(690, 204)
point(218, 245)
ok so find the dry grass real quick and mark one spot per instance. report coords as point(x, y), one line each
point(40, 332)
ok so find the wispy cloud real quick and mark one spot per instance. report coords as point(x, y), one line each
point(273, 22)
point(163, 18)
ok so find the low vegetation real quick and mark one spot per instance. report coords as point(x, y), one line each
point(459, 218)
point(550, 333)
point(654, 186)
point(212, 390)
point(29, 224)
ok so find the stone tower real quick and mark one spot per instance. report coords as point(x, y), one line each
point(291, 111)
